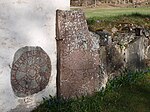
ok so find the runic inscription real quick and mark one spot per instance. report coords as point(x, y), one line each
point(30, 72)
point(78, 58)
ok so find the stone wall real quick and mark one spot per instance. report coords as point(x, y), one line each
point(101, 2)
point(87, 60)
point(127, 50)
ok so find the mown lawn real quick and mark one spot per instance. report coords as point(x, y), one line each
point(106, 19)
point(127, 93)
point(112, 12)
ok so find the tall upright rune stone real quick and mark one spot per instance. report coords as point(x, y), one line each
point(31, 70)
point(78, 58)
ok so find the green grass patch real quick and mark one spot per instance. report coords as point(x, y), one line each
point(127, 93)
point(106, 19)
point(107, 13)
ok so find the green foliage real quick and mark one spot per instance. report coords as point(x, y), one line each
point(128, 78)
point(127, 93)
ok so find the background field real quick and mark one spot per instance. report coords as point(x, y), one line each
point(111, 12)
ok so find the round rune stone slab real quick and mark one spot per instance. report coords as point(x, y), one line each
point(31, 70)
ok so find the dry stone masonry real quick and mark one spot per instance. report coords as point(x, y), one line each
point(87, 60)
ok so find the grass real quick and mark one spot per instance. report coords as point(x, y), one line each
point(107, 13)
point(106, 19)
point(127, 93)
point(137, 19)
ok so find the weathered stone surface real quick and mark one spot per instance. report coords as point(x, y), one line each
point(114, 60)
point(86, 60)
point(31, 71)
point(147, 51)
point(134, 47)
point(135, 54)
point(104, 38)
point(78, 56)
